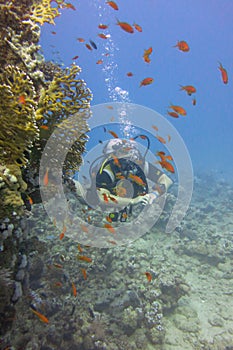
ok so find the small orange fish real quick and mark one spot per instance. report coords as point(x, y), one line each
point(173, 114)
point(148, 51)
point(168, 140)
point(113, 134)
point(129, 74)
point(74, 289)
point(125, 26)
point(46, 177)
point(178, 109)
point(166, 165)
point(113, 5)
point(62, 235)
point(99, 62)
point(137, 27)
point(155, 127)
point(80, 248)
point(70, 6)
point(22, 100)
point(108, 219)
point(182, 46)
point(112, 242)
point(136, 179)
point(105, 197)
point(44, 127)
point(58, 266)
point(189, 89)
point(53, 32)
point(148, 276)
point(194, 102)
point(84, 258)
point(102, 26)
point(224, 73)
point(75, 57)
point(41, 316)
point(30, 200)
point(109, 107)
point(88, 47)
point(161, 139)
point(147, 54)
point(146, 81)
point(81, 40)
point(113, 199)
point(103, 36)
point(116, 161)
point(109, 228)
point(84, 272)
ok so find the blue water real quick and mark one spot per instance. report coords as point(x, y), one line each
point(205, 25)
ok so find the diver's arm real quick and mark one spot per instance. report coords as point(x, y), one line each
point(109, 199)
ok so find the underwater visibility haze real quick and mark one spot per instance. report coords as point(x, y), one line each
point(79, 269)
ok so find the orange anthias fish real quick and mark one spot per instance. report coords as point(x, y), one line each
point(103, 36)
point(116, 161)
point(178, 109)
point(166, 165)
point(137, 27)
point(84, 258)
point(99, 62)
point(44, 127)
point(46, 177)
point(105, 197)
point(75, 57)
point(84, 272)
point(102, 26)
point(110, 228)
point(113, 5)
point(182, 46)
point(155, 127)
point(113, 134)
point(161, 139)
point(189, 89)
point(146, 81)
point(136, 179)
point(41, 316)
point(22, 100)
point(70, 6)
point(147, 54)
point(129, 74)
point(173, 114)
point(81, 40)
point(88, 47)
point(148, 276)
point(125, 26)
point(194, 101)
point(224, 73)
point(74, 289)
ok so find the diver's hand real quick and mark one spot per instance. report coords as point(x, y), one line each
point(141, 199)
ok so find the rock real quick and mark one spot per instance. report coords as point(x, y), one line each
point(18, 292)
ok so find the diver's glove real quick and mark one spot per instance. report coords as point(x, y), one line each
point(146, 199)
point(153, 195)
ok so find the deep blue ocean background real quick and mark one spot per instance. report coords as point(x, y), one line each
point(207, 27)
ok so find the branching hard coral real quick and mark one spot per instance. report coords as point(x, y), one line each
point(17, 116)
point(43, 12)
point(64, 96)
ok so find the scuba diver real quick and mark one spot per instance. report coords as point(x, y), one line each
point(123, 179)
